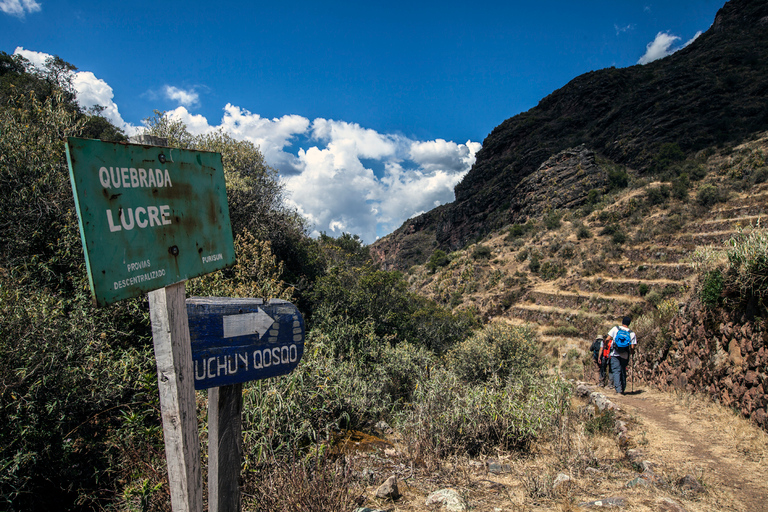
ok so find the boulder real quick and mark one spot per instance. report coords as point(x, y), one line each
point(448, 499)
point(388, 490)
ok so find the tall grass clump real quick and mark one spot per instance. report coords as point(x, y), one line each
point(319, 484)
point(450, 416)
point(746, 279)
point(737, 276)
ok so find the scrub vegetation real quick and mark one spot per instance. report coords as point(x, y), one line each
point(79, 413)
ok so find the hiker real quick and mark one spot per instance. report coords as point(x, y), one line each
point(623, 341)
point(604, 360)
point(595, 348)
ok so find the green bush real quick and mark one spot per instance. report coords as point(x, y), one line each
point(601, 423)
point(669, 154)
point(552, 220)
point(746, 278)
point(452, 417)
point(657, 195)
point(534, 264)
point(709, 195)
point(583, 232)
point(481, 252)
point(618, 179)
point(643, 289)
point(499, 349)
point(680, 187)
point(438, 259)
point(515, 232)
point(551, 269)
point(712, 288)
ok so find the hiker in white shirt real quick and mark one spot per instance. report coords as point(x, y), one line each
point(622, 349)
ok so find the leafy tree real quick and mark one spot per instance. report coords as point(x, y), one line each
point(381, 300)
point(38, 206)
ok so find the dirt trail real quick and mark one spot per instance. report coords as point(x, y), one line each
point(693, 438)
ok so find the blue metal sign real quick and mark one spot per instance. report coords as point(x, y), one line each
point(239, 340)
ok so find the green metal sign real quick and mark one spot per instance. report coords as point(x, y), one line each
point(150, 216)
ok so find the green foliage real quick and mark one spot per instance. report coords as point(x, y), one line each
point(70, 373)
point(563, 330)
point(618, 178)
point(680, 187)
point(498, 350)
point(746, 277)
point(617, 234)
point(38, 206)
point(534, 264)
point(668, 155)
point(481, 252)
point(551, 269)
point(583, 232)
point(712, 288)
point(380, 300)
point(552, 220)
point(709, 195)
point(257, 273)
point(346, 250)
point(452, 417)
point(516, 231)
point(657, 195)
point(602, 422)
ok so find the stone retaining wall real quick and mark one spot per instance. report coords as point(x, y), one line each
point(714, 352)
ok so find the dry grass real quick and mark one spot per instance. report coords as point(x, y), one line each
point(738, 432)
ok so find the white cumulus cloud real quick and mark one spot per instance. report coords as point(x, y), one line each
point(662, 47)
point(185, 98)
point(440, 154)
point(659, 48)
point(342, 177)
point(37, 59)
point(19, 7)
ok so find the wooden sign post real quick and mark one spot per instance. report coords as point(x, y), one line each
point(150, 218)
point(170, 333)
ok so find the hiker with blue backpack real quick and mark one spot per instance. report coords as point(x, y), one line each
point(623, 346)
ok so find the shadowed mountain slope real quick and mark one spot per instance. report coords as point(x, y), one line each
point(714, 92)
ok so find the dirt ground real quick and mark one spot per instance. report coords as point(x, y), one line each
point(678, 435)
point(692, 436)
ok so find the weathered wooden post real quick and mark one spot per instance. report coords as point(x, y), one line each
point(150, 218)
point(225, 454)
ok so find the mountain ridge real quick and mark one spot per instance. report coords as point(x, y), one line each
point(713, 92)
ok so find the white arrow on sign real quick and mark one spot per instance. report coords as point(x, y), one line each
point(247, 324)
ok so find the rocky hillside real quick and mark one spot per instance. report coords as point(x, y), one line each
point(713, 93)
point(572, 272)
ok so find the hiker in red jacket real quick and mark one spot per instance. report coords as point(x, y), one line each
point(604, 361)
point(623, 346)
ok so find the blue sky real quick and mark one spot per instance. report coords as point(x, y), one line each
point(371, 111)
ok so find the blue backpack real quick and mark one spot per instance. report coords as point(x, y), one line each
point(622, 338)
